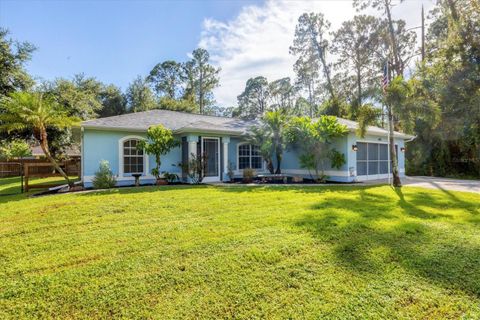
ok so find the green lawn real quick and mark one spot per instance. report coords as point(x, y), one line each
point(11, 186)
point(262, 252)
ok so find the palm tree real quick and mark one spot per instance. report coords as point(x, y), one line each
point(24, 110)
point(274, 124)
point(260, 138)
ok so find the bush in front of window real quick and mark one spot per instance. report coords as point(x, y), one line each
point(104, 178)
point(195, 167)
point(248, 175)
point(159, 142)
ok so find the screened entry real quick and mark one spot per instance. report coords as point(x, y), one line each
point(372, 160)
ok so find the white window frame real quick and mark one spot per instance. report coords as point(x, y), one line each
point(121, 173)
point(250, 157)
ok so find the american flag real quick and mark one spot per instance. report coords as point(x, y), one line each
point(385, 77)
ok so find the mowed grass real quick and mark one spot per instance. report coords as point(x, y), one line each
point(242, 252)
point(12, 185)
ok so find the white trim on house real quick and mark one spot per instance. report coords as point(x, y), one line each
point(217, 177)
point(146, 172)
point(105, 128)
point(237, 169)
point(332, 173)
point(132, 179)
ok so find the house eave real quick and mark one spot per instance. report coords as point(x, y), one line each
point(208, 131)
point(104, 128)
point(178, 131)
point(384, 134)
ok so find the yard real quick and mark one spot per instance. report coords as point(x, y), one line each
point(241, 252)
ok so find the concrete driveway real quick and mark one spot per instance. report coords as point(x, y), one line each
point(443, 183)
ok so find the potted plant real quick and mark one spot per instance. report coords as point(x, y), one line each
point(159, 141)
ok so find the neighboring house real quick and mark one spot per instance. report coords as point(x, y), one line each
point(223, 140)
point(71, 153)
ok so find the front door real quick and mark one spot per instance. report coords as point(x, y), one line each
point(211, 148)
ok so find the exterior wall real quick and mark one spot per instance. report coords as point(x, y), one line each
point(291, 164)
point(101, 145)
point(352, 155)
point(104, 145)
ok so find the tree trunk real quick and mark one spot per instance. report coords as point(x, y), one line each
point(321, 55)
point(398, 64)
point(200, 93)
point(393, 154)
point(44, 146)
point(270, 166)
point(326, 71)
point(359, 89)
point(279, 162)
point(159, 163)
point(310, 98)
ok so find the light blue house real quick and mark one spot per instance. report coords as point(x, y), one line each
point(223, 139)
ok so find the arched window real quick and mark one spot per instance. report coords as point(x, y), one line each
point(249, 157)
point(132, 157)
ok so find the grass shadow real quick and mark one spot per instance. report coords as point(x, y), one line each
point(408, 238)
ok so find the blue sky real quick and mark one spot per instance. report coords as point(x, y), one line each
point(115, 41)
point(111, 40)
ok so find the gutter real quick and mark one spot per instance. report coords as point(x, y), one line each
point(178, 131)
point(198, 130)
point(113, 128)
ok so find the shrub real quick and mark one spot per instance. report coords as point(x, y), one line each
point(195, 167)
point(170, 177)
point(248, 175)
point(104, 177)
point(159, 141)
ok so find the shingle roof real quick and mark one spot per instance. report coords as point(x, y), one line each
point(376, 131)
point(176, 121)
point(191, 122)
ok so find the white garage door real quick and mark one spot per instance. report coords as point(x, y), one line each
point(372, 160)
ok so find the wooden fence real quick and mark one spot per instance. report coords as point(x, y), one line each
point(14, 168)
point(46, 169)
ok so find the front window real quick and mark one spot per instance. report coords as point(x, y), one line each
point(132, 157)
point(249, 157)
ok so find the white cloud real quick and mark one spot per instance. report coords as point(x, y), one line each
point(257, 41)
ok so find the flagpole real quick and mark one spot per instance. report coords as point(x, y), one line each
point(388, 139)
point(386, 81)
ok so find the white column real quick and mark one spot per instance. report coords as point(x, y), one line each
point(192, 146)
point(226, 141)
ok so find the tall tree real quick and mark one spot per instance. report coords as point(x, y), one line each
point(282, 95)
point(449, 78)
point(203, 76)
point(113, 102)
point(397, 64)
point(80, 96)
point(310, 42)
point(13, 56)
point(140, 96)
point(167, 78)
point(306, 70)
point(38, 112)
point(253, 101)
point(355, 44)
